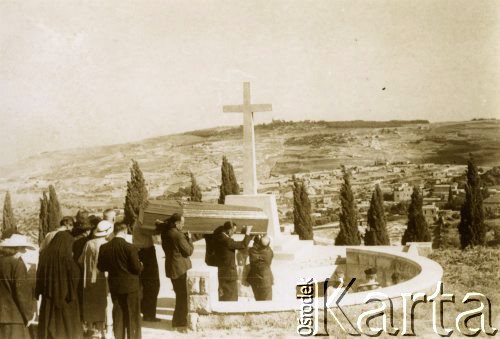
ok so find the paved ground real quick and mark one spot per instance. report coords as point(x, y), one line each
point(165, 308)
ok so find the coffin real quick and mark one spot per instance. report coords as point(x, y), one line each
point(202, 217)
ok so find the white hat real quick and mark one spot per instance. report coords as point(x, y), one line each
point(17, 240)
point(103, 229)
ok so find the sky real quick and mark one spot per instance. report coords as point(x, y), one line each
point(79, 73)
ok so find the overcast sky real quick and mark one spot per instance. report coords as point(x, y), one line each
point(80, 73)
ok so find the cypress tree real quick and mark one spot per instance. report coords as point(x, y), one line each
point(229, 184)
point(417, 229)
point(43, 218)
point(348, 218)
point(450, 196)
point(377, 230)
point(471, 227)
point(137, 195)
point(302, 220)
point(8, 220)
point(195, 190)
point(439, 233)
point(54, 210)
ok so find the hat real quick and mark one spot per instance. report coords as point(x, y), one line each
point(104, 228)
point(265, 241)
point(371, 271)
point(94, 220)
point(17, 240)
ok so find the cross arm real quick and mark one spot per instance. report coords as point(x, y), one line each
point(233, 109)
point(247, 108)
point(261, 108)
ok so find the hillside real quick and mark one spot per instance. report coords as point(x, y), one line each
point(96, 177)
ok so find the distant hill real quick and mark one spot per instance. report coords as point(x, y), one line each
point(282, 146)
point(97, 176)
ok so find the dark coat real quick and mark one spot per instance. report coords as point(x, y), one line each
point(121, 260)
point(178, 248)
point(16, 294)
point(260, 266)
point(56, 281)
point(94, 284)
point(225, 248)
point(78, 245)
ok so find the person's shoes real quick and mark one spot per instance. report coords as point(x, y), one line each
point(151, 320)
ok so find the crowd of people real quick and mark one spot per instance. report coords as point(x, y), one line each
point(93, 279)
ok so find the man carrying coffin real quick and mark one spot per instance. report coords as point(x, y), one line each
point(225, 249)
point(260, 276)
point(178, 247)
point(150, 276)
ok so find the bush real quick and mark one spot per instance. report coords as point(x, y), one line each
point(388, 196)
point(400, 208)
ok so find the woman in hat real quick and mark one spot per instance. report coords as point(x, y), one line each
point(94, 281)
point(17, 307)
point(56, 282)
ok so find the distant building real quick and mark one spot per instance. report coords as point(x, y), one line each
point(375, 144)
point(443, 190)
point(432, 200)
point(402, 192)
point(438, 174)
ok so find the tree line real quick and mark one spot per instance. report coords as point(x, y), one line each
point(471, 228)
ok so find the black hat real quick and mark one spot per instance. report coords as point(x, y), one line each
point(82, 221)
point(371, 271)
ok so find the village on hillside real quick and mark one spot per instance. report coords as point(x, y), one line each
point(168, 162)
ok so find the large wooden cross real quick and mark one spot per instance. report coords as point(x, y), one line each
point(249, 164)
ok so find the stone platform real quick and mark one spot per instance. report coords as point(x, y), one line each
point(293, 255)
point(317, 261)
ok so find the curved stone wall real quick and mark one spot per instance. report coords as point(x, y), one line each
point(418, 274)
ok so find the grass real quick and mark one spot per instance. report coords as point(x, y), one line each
point(476, 270)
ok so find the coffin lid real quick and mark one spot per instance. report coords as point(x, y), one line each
point(203, 217)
